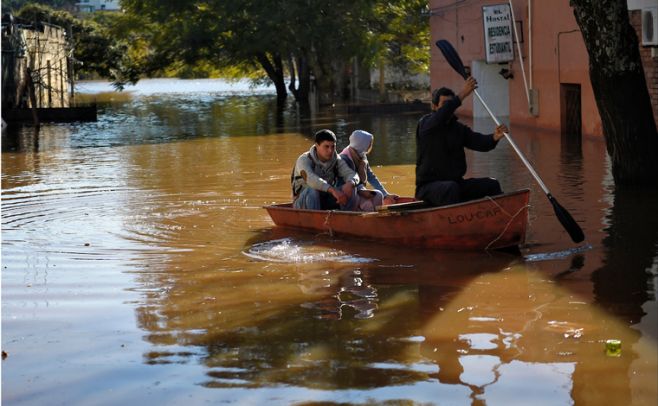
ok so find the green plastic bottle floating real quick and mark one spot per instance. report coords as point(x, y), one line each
point(613, 348)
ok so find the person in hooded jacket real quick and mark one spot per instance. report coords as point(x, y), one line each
point(355, 155)
point(316, 174)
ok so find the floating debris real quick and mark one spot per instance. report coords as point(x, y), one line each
point(613, 348)
point(573, 333)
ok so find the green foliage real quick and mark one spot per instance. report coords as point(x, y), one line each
point(403, 35)
point(207, 69)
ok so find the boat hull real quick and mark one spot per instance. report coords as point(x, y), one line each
point(488, 223)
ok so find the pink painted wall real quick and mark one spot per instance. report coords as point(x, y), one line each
point(559, 56)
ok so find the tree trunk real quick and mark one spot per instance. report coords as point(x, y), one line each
point(293, 77)
point(620, 90)
point(324, 80)
point(300, 88)
point(33, 97)
point(274, 70)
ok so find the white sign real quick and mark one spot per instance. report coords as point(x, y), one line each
point(498, 39)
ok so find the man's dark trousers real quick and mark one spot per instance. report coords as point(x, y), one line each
point(441, 193)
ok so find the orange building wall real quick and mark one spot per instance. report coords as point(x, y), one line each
point(559, 56)
point(462, 26)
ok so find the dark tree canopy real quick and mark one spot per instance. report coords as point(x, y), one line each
point(294, 39)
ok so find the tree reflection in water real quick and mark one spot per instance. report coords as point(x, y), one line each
point(473, 321)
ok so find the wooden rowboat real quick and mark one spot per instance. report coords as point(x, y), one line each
point(488, 223)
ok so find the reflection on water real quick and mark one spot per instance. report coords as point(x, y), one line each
point(139, 266)
point(551, 256)
point(623, 285)
point(345, 289)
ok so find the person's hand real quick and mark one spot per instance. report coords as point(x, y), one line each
point(348, 188)
point(470, 85)
point(500, 132)
point(340, 197)
point(391, 199)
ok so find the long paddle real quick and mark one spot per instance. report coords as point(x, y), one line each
point(569, 224)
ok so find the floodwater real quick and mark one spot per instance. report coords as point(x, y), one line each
point(138, 267)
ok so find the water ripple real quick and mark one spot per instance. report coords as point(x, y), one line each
point(287, 250)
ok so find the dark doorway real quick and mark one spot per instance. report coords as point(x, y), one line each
point(570, 116)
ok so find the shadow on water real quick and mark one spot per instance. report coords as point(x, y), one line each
point(623, 284)
point(20, 139)
point(310, 312)
point(377, 303)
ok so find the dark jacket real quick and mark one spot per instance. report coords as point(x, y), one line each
point(440, 143)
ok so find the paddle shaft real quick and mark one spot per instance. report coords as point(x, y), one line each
point(516, 148)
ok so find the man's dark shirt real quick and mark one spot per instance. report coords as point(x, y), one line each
point(440, 143)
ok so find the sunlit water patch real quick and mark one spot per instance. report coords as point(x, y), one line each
point(287, 250)
point(178, 87)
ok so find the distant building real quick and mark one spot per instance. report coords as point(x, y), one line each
point(36, 65)
point(90, 6)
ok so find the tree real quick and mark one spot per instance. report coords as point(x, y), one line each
point(294, 39)
point(403, 35)
point(620, 90)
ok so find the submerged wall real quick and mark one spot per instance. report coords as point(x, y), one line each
point(35, 59)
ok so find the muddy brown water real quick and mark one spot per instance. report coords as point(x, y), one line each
point(139, 266)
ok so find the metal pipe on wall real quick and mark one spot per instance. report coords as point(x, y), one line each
point(530, 44)
point(518, 47)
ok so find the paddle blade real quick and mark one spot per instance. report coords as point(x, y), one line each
point(569, 224)
point(452, 57)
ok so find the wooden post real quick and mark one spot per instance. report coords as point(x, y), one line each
point(33, 96)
